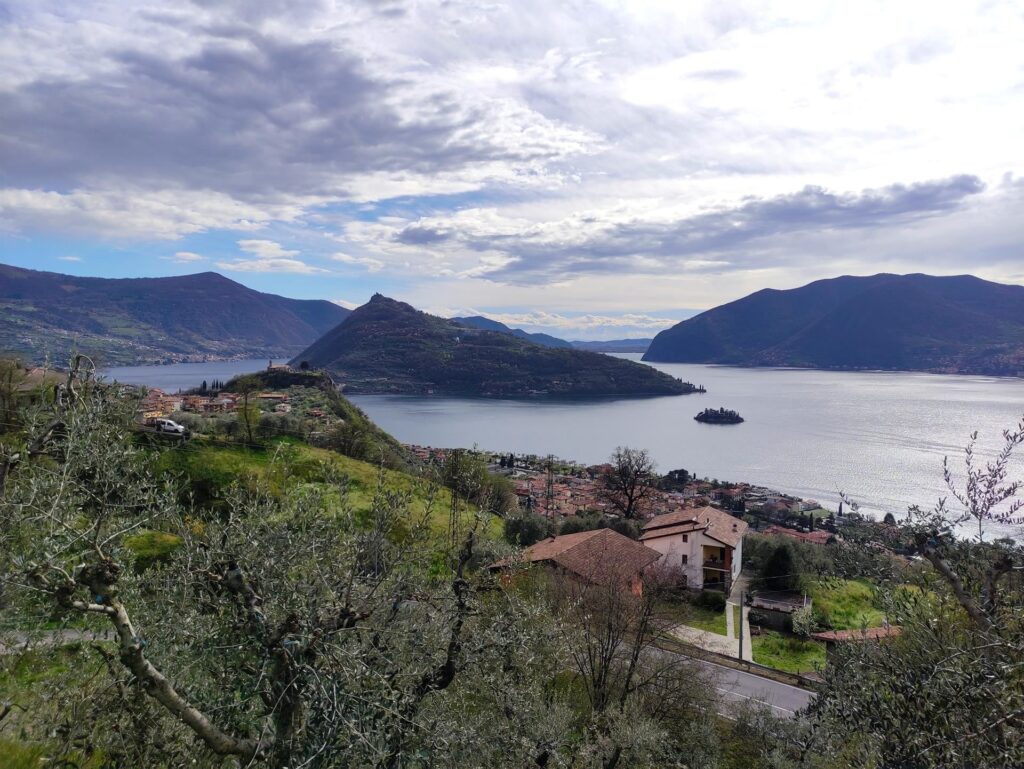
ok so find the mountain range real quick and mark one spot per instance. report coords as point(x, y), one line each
point(387, 346)
point(613, 345)
point(486, 324)
point(956, 324)
point(546, 340)
point(152, 320)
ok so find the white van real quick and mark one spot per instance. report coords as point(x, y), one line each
point(168, 426)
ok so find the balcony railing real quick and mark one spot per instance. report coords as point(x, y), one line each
point(717, 564)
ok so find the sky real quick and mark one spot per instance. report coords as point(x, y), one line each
point(590, 169)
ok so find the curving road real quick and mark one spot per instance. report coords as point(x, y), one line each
point(736, 686)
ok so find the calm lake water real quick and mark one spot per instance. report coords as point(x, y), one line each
point(877, 437)
point(183, 376)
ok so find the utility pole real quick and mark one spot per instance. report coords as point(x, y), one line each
point(549, 488)
point(741, 626)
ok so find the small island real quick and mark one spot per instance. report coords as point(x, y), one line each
point(719, 417)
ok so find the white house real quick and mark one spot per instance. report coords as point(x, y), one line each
point(704, 544)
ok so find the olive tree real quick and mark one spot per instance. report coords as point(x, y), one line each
point(645, 706)
point(948, 691)
point(286, 630)
point(248, 413)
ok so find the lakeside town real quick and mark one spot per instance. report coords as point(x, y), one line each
point(558, 488)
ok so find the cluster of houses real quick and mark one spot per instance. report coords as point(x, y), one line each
point(694, 533)
point(156, 403)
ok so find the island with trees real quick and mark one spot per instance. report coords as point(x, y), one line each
point(719, 416)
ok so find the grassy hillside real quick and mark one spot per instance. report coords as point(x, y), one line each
point(210, 469)
point(358, 436)
point(207, 470)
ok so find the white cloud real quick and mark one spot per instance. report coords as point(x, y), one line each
point(270, 256)
point(588, 322)
point(371, 264)
point(271, 265)
point(187, 257)
point(266, 249)
point(70, 258)
point(126, 212)
point(580, 148)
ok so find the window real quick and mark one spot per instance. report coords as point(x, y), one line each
point(686, 538)
point(685, 560)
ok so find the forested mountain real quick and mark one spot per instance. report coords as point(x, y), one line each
point(486, 324)
point(136, 320)
point(388, 346)
point(956, 324)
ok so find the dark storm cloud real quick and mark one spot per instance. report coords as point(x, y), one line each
point(248, 114)
point(726, 234)
point(415, 235)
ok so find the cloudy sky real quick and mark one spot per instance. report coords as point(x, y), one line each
point(593, 169)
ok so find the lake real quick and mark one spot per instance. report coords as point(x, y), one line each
point(183, 376)
point(877, 437)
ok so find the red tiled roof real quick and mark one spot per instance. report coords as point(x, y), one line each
point(601, 556)
point(671, 519)
point(861, 634)
point(722, 526)
point(671, 531)
point(715, 523)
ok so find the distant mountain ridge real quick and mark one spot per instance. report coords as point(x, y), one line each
point(146, 320)
point(486, 324)
point(956, 324)
point(387, 346)
point(613, 345)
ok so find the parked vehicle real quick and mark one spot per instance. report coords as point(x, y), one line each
point(167, 426)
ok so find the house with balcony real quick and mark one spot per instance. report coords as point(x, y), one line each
point(703, 546)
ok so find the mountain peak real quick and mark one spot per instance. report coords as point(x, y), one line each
point(133, 320)
point(950, 324)
point(387, 346)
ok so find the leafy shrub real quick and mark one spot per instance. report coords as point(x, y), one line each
point(803, 621)
point(711, 599)
point(526, 529)
point(589, 522)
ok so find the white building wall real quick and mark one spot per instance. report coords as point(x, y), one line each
point(672, 550)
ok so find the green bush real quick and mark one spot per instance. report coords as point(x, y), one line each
point(152, 547)
point(711, 599)
point(591, 521)
point(526, 529)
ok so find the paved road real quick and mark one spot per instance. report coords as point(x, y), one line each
point(735, 686)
